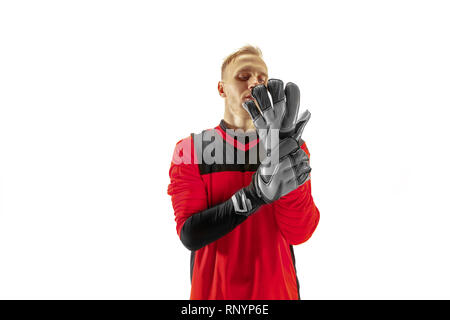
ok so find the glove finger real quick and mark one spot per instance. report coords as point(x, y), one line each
point(276, 91)
point(299, 158)
point(300, 126)
point(302, 169)
point(252, 109)
point(292, 107)
point(262, 97)
point(304, 177)
point(275, 87)
point(286, 147)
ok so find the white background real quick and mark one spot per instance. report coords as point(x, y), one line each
point(95, 94)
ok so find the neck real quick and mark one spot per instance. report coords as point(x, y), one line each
point(234, 121)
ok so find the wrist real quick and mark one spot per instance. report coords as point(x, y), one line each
point(247, 200)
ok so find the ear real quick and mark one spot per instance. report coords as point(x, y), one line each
point(220, 89)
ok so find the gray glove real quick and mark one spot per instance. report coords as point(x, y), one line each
point(279, 119)
point(286, 166)
point(275, 179)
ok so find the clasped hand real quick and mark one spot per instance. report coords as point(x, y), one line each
point(286, 165)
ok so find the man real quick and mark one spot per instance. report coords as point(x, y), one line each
point(241, 200)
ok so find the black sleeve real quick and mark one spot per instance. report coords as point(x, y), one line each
point(208, 225)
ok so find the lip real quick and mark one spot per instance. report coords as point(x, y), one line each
point(249, 98)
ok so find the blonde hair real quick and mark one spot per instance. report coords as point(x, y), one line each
point(247, 49)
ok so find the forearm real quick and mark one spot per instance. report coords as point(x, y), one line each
point(209, 225)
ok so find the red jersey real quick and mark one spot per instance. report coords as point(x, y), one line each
point(256, 259)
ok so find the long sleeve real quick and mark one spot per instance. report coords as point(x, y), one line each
point(197, 225)
point(186, 186)
point(209, 225)
point(296, 214)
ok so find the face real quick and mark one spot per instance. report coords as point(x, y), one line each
point(246, 72)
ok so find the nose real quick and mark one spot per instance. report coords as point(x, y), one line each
point(253, 82)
